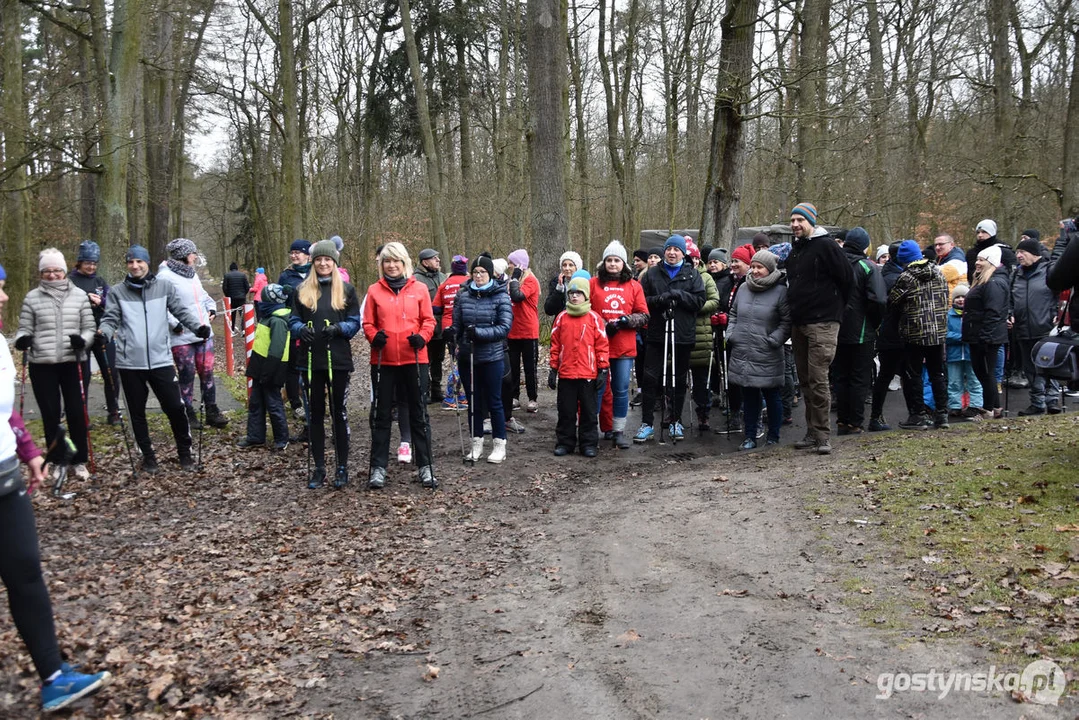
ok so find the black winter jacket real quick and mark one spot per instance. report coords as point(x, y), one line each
point(347, 319)
point(819, 280)
point(1007, 256)
point(985, 316)
point(91, 284)
point(687, 290)
point(888, 332)
point(1064, 273)
point(1034, 303)
point(490, 311)
point(868, 301)
point(235, 285)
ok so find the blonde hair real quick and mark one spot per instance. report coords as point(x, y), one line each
point(981, 277)
point(395, 251)
point(310, 291)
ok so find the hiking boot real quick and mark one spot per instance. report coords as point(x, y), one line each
point(677, 432)
point(298, 412)
point(824, 448)
point(498, 452)
point(1053, 409)
point(1031, 410)
point(608, 435)
point(300, 437)
point(215, 418)
point(940, 421)
point(620, 440)
point(879, 424)
point(916, 421)
point(561, 451)
point(973, 413)
point(702, 421)
point(187, 462)
point(149, 464)
point(477, 450)
point(70, 686)
point(377, 479)
point(1017, 381)
point(514, 426)
point(644, 434)
point(404, 453)
point(427, 477)
point(516, 403)
point(249, 443)
point(435, 399)
point(805, 443)
point(842, 429)
point(280, 445)
point(193, 419)
point(114, 418)
point(318, 478)
point(340, 478)
point(589, 451)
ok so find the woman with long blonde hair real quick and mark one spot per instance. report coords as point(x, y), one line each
point(985, 323)
point(325, 316)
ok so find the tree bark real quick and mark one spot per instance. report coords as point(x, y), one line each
point(15, 200)
point(1069, 199)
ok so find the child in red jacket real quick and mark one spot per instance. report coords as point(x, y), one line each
point(579, 351)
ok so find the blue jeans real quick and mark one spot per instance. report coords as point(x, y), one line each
point(485, 396)
point(751, 408)
point(961, 377)
point(621, 369)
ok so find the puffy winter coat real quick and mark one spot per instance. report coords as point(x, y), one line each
point(196, 299)
point(958, 351)
point(759, 325)
point(92, 284)
point(398, 314)
point(137, 316)
point(555, 302)
point(235, 285)
point(988, 306)
point(1034, 304)
point(347, 319)
point(52, 321)
point(687, 289)
point(920, 297)
point(702, 348)
point(579, 347)
point(1064, 272)
point(488, 310)
point(888, 332)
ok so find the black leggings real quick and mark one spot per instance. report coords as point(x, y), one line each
point(20, 570)
point(52, 383)
point(983, 356)
point(527, 350)
point(320, 379)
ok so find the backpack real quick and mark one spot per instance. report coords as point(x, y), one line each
point(1057, 357)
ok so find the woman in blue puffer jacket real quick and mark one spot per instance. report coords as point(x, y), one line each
point(482, 315)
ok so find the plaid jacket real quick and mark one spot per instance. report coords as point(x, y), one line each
point(920, 297)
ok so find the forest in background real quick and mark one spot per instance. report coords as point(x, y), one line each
point(494, 124)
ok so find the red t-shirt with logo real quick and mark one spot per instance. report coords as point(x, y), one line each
point(446, 294)
point(613, 300)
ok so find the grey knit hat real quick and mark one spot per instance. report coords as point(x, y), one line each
point(325, 248)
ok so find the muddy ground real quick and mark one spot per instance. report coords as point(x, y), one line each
point(676, 581)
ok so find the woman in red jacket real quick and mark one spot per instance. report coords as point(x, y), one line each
point(619, 300)
point(398, 323)
point(524, 333)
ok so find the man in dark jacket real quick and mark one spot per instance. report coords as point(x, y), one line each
point(235, 287)
point(1034, 309)
point(819, 279)
point(299, 255)
point(889, 346)
point(986, 235)
point(852, 369)
point(675, 294)
point(430, 274)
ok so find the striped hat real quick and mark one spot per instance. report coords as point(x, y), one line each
point(806, 210)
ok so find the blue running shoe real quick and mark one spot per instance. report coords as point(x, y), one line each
point(644, 434)
point(677, 431)
point(69, 687)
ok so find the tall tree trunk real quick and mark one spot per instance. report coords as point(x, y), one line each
point(727, 156)
point(878, 113)
point(158, 107)
point(811, 93)
point(1069, 196)
point(464, 103)
point(546, 39)
point(291, 149)
point(15, 198)
point(430, 150)
point(580, 146)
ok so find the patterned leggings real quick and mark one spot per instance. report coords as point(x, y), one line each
point(195, 358)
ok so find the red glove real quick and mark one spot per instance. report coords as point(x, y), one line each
point(720, 319)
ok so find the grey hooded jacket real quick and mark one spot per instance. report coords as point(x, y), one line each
point(138, 318)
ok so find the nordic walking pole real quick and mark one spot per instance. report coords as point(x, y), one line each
point(329, 397)
point(85, 414)
point(310, 449)
point(22, 381)
point(471, 397)
point(202, 402)
point(120, 413)
point(373, 413)
point(457, 405)
point(426, 419)
point(673, 385)
point(663, 382)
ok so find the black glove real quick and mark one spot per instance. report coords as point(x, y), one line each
point(379, 340)
point(25, 342)
point(601, 378)
point(623, 322)
point(330, 331)
point(612, 328)
point(416, 341)
point(470, 333)
point(177, 329)
point(517, 273)
point(76, 341)
point(552, 379)
point(203, 332)
point(307, 334)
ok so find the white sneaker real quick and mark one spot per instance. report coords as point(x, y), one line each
point(81, 472)
point(477, 449)
point(498, 452)
point(516, 403)
point(532, 406)
point(895, 384)
point(513, 426)
point(487, 426)
point(404, 453)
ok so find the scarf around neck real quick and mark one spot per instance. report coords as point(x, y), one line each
point(760, 284)
point(578, 309)
point(181, 268)
point(55, 289)
point(396, 283)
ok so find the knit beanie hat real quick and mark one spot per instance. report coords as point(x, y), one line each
point(743, 253)
point(641, 255)
point(580, 284)
point(767, 259)
point(3, 273)
point(857, 238)
point(761, 240)
point(137, 252)
point(499, 265)
point(960, 291)
point(908, 252)
point(260, 271)
point(303, 246)
point(882, 250)
point(691, 248)
point(616, 249)
point(51, 258)
point(988, 225)
point(273, 294)
point(325, 248)
point(658, 251)
point(719, 255)
point(428, 253)
point(1031, 246)
point(180, 248)
point(519, 258)
point(89, 251)
point(1032, 234)
point(676, 241)
point(806, 210)
point(486, 263)
point(781, 250)
point(570, 255)
point(338, 242)
point(991, 255)
point(459, 265)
